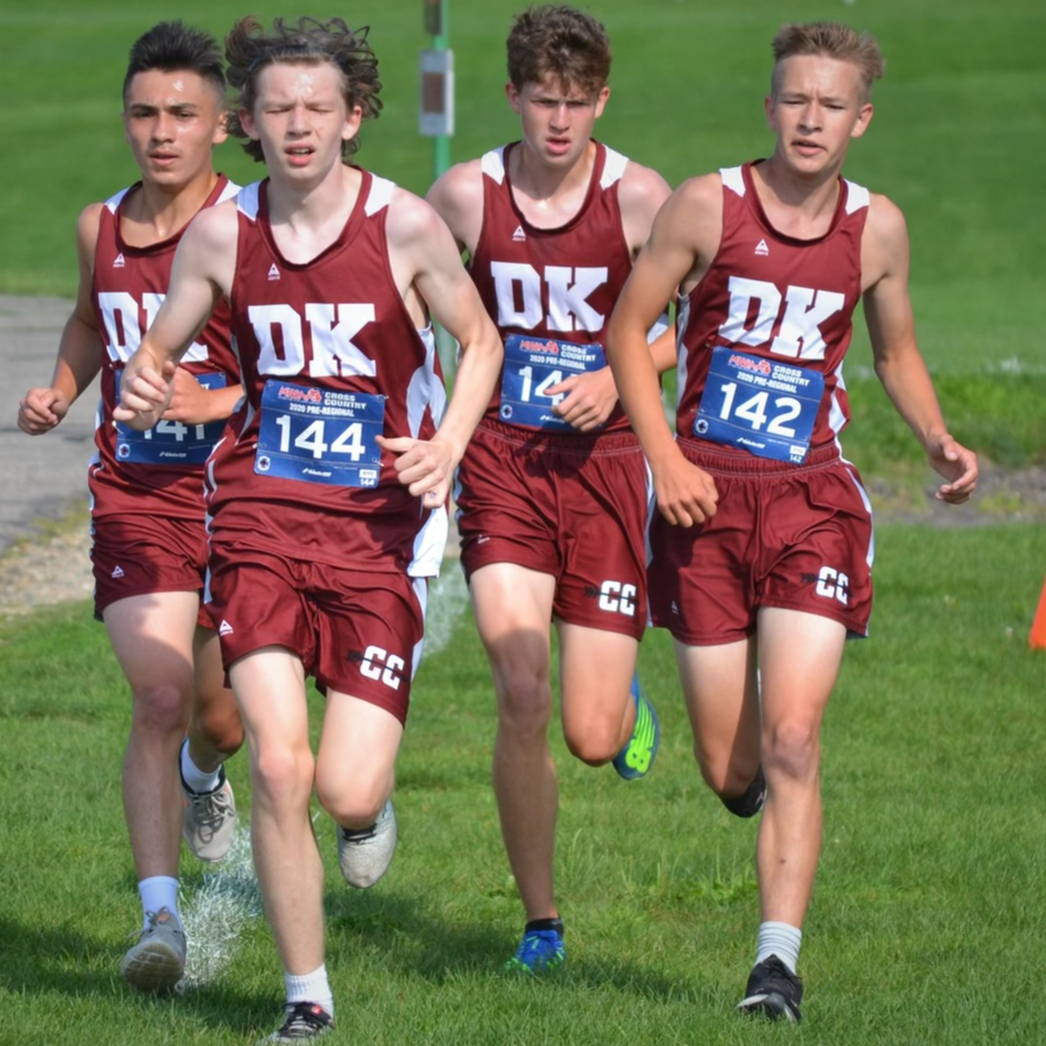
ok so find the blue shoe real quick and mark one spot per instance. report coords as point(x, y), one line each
point(637, 757)
point(540, 951)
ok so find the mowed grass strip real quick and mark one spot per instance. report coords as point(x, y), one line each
point(927, 921)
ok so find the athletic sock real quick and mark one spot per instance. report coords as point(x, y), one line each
point(536, 925)
point(156, 892)
point(310, 987)
point(780, 939)
point(196, 780)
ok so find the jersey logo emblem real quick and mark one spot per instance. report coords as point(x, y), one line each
point(274, 273)
point(225, 629)
point(118, 572)
point(761, 249)
point(119, 263)
point(519, 235)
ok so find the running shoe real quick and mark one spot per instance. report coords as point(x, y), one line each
point(540, 951)
point(773, 991)
point(365, 854)
point(209, 820)
point(304, 1021)
point(156, 963)
point(752, 801)
point(637, 757)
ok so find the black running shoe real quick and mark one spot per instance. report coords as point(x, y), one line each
point(305, 1020)
point(773, 991)
point(751, 802)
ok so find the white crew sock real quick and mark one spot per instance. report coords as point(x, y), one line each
point(780, 939)
point(310, 987)
point(156, 892)
point(199, 781)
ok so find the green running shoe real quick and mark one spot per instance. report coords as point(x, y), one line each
point(637, 757)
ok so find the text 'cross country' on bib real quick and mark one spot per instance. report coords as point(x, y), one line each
point(320, 435)
point(171, 442)
point(532, 366)
point(763, 406)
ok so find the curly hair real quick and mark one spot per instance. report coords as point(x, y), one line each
point(248, 49)
point(174, 47)
point(831, 40)
point(558, 41)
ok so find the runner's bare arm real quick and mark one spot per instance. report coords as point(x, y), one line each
point(457, 197)
point(422, 248)
point(80, 348)
point(194, 404)
point(202, 272)
point(898, 362)
point(685, 494)
point(589, 398)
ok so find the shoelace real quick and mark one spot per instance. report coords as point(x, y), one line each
point(212, 809)
point(151, 918)
point(304, 1018)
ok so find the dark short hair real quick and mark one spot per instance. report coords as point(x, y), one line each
point(248, 49)
point(173, 46)
point(558, 41)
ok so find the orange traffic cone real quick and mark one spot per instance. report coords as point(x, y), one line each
point(1037, 637)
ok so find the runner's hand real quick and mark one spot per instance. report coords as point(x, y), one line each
point(958, 465)
point(424, 467)
point(685, 494)
point(41, 410)
point(144, 395)
point(589, 398)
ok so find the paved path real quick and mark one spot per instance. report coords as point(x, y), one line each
point(43, 475)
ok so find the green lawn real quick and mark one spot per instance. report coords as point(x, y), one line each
point(955, 141)
point(927, 924)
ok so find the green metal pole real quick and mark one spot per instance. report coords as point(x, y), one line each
point(441, 143)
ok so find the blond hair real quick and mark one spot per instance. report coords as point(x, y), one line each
point(830, 40)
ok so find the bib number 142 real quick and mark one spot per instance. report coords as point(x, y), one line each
point(766, 407)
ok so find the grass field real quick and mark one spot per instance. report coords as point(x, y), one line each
point(928, 924)
point(956, 138)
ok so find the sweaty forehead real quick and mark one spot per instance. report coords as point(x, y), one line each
point(160, 87)
point(304, 78)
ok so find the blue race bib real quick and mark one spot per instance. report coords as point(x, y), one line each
point(765, 406)
point(533, 365)
point(319, 435)
point(171, 442)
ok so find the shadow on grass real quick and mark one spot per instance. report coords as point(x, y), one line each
point(61, 962)
point(396, 932)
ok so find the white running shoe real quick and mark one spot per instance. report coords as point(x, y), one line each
point(156, 963)
point(209, 821)
point(366, 853)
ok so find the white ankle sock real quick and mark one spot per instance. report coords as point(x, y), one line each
point(310, 987)
point(780, 939)
point(156, 892)
point(200, 781)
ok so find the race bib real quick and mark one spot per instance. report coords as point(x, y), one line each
point(171, 442)
point(319, 435)
point(765, 406)
point(532, 366)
